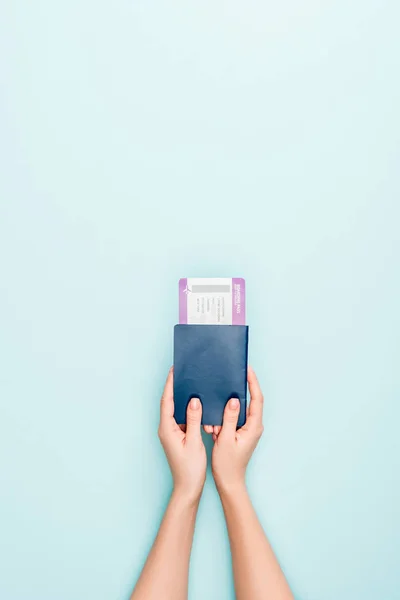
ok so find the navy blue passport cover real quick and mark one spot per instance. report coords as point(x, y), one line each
point(210, 363)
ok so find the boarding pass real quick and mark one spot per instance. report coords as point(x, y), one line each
point(212, 301)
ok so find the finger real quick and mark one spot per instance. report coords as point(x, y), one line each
point(167, 398)
point(217, 429)
point(193, 419)
point(256, 399)
point(231, 415)
point(208, 428)
point(214, 437)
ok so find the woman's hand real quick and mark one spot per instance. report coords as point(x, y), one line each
point(183, 445)
point(165, 574)
point(233, 448)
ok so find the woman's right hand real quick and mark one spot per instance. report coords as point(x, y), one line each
point(233, 448)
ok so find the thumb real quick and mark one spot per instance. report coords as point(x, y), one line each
point(193, 419)
point(231, 415)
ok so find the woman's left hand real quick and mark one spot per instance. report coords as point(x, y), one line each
point(183, 446)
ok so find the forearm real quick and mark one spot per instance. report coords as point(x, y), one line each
point(165, 574)
point(257, 573)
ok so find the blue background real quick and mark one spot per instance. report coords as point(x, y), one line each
point(145, 141)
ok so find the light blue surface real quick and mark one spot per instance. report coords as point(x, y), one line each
point(142, 142)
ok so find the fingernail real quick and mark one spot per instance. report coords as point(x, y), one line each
point(194, 403)
point(233, 403)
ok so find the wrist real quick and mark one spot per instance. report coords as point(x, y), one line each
point(233, 489)
point(186, 496)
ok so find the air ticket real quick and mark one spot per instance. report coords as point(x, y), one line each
point(212, 301)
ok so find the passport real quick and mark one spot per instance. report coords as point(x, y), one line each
point(210, 363)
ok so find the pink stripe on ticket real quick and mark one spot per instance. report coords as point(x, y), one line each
point(183, 301)
point(238, 301)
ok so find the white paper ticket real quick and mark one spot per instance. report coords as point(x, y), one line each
point(212, 301)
